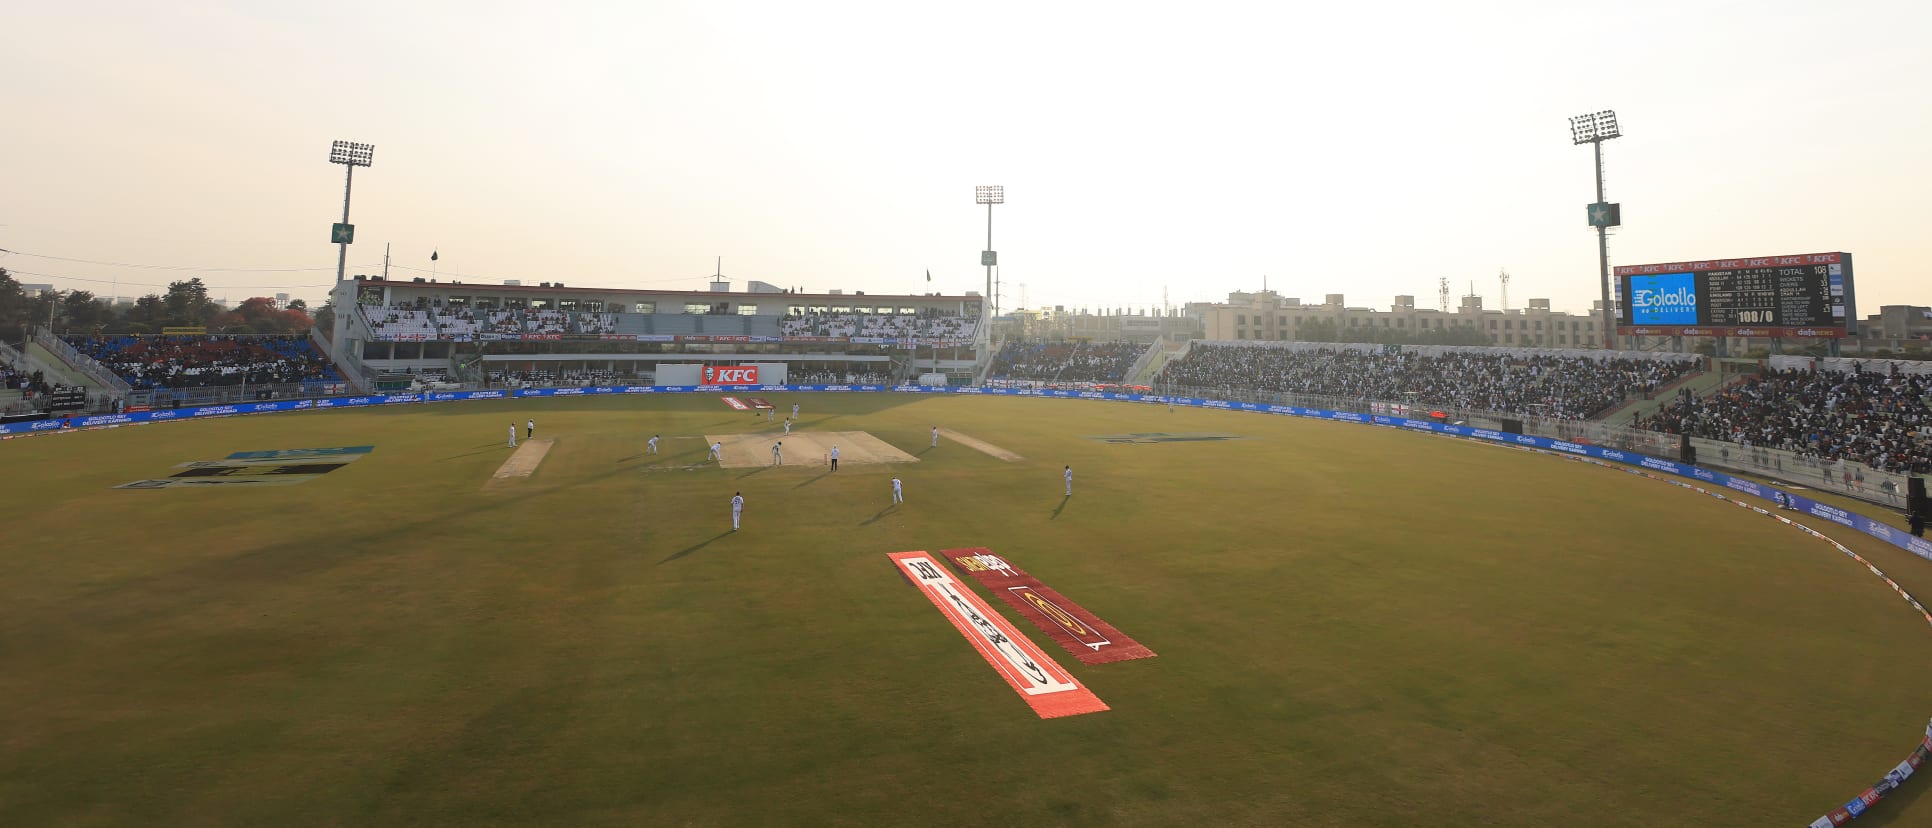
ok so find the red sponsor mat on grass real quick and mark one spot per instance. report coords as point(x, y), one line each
point(759, 402)
point(1082, 633)
point(736, 403)
point(1048, 688)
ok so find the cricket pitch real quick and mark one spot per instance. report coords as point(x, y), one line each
point(806, 448)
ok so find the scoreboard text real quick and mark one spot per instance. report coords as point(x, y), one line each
point(1770, 296)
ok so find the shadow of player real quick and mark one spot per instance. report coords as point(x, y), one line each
point(882, 513)
point(486, 450)
point(821, 476)
point(694, 547)
point(1061, 508)
point(759, 470)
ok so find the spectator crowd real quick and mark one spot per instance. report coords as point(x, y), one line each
point(202, 361)
point(1558, 387)
point(922, 328)
point(1879, 419)
point(567, 378)
point(1069, 362)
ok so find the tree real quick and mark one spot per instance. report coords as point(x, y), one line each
point(259, 314)
point(83, 311)
point(14, 307)
point(1312, 329)
point(188, 303)
point(325, 318)
point(149, 312)
point(297, 304)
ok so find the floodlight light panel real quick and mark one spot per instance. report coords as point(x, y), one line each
point(352, 153)
point(1583, 128)
point(1607, 125)
point(995, 194)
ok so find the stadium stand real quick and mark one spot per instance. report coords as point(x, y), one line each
point(1882, 420)
point(567, 378)
point(874, 377)
point(929, 328)
point(1546, 385)
point(202, 361)
point(1066, 362)
point(401, 323)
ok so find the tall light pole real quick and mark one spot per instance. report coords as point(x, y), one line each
point(350, 155)
point(1594, 129)
point(989, 196)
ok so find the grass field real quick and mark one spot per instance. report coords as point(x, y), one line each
point(1356, 626)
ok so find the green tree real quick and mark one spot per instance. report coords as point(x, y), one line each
point(188, 303)
point(82, 311)
point(149, 312)
point(14, 308)
point(1311, 329)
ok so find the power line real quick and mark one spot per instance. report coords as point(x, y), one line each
point(152, 284)
point(169, 267)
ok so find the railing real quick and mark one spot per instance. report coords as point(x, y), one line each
point(83, 363)
point(159, 398)
point(352, 369)
point(1138, 372)
point(1842, 477)
point(11, 356)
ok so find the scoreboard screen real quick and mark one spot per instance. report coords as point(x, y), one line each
point(1808, 295)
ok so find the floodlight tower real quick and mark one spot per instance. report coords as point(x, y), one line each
point(989, 196)
point(350, 155)
point(1594, 129)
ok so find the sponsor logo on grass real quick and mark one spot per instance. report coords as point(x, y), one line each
point(1051, 691)
point(1065, 620)
point(283, 467)
point(1073, 627)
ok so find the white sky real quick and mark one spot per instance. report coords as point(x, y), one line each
point(1364, 149)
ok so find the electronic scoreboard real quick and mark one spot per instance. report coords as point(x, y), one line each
point(1807, 296)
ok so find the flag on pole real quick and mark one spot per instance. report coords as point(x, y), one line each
point(929, 274)
point(432, 255)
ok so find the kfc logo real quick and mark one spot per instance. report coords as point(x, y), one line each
point(731, 375)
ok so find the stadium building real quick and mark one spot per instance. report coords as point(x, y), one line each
point(1267, 315)
point(391, 332)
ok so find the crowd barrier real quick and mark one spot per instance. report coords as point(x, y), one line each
point(1792, 500)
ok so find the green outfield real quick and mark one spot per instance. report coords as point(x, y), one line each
point(1355, 626)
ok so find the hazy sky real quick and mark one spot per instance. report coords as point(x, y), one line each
point(1364, 149)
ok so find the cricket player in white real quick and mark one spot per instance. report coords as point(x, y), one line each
point(651, 447)
point(794, 411)
point(717, 453)
point(835, 458)
point(1069, 477)
point(532, 425)
point(737, 506)
point(935, 436)
point(776, 459)
point(788, 426)
point(513, 435)
point(897, 495)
